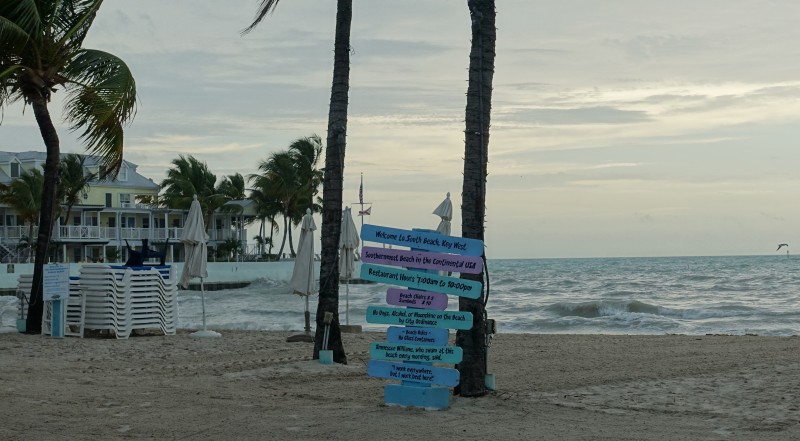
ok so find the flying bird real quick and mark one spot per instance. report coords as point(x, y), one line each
point(781, 245)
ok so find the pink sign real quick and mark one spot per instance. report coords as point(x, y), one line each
point(424, 260)
point(416, 299)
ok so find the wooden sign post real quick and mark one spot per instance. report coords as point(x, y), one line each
point(419, 335)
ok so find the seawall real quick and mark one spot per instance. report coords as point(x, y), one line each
point(221, 275)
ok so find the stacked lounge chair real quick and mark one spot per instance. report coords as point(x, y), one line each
point(121, 299)
point(114, 298)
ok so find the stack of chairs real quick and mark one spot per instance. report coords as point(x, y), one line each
point(75, 306)
point(117, 299)
point(121, 299)
point(24, 283)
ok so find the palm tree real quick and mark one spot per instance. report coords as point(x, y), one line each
point(73, 181)
point(232, 187)
point(267, 208)
point(305, 154)
point(291, 179)
point(278, 181)
point(188, 177)
point(24, 195)
point(333, 181)
point(473, 206)
point(40, 51)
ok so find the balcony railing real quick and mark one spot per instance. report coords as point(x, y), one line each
point(83, 233)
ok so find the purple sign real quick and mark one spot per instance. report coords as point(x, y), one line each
point(416, 299)
point(423, 260)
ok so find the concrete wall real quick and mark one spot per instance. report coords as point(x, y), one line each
point(217, 271)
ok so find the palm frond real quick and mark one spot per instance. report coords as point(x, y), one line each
point(266, 7)
point(25, 15)
point(101, 101)
point(73, 20)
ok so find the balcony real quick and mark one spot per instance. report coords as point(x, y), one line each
point(83, 233)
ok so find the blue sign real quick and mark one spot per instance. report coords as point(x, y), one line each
point(417, 336)
point(419, 317)
point(416, 353)
point(422, 240)
point(470, 289)
point(419, 373)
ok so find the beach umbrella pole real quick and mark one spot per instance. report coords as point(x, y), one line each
point(203, 301)
point(347, 302)
point(205, 332)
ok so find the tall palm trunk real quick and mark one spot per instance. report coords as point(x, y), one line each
point(332, 187)
point(50, 137)
point(473, 205)
point(291, 242)
point(285, 231)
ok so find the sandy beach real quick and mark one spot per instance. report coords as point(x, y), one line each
point(254, 385)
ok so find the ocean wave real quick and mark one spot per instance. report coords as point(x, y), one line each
point(601, 308)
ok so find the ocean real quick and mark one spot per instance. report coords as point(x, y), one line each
point(661, 295)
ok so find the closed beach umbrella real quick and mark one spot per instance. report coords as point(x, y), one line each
point(195, 240)
point(303, 281)
point(445, 211)
point(348, 242)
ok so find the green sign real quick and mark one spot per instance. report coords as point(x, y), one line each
point(470, 289)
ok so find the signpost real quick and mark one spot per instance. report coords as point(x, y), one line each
point(409, 352)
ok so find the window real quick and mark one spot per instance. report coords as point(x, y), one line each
point(108, 199)
point(112, 222)
point(76, 220)
point(125, 200)
point(127, 222)
point(15, 169)
point(123, 173)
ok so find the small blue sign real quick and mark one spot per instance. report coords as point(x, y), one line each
point(419, 317)
point(419, 373)
point(422, 240)
point(417, 336)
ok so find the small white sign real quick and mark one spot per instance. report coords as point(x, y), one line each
point(55, 285)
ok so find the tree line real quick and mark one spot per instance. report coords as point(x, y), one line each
point(286, 184)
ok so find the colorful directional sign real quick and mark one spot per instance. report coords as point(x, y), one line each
point(421, 281)
point(413, 372)
point(416, 299)
point(423, 240)
point(417, 353)
point(419, 317)
point(417, 336)
point(423, 260)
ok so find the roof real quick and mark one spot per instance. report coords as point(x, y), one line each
point(134, 178)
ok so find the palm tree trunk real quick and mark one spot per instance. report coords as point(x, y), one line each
point(271, 235)
point(473, 206)
point(291, 243)
point(332, 187)
point(283, 242)
point(51, 142)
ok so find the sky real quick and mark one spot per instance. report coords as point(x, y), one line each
point(625, 128)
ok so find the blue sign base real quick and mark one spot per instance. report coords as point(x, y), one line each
point(431, 398)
